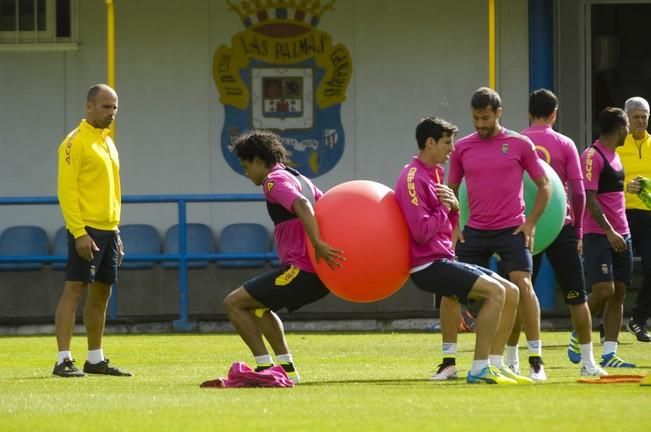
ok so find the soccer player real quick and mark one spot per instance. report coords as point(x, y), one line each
point(636, 158)
point(493, 161)
point(89, 195)
point(564, 253)
point(290, 196)
point(432, 211)
point(607, 247)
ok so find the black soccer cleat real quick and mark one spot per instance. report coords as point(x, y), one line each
point(103, 368)
point(639, 330)
point(67, 369)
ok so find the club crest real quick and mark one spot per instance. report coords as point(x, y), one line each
point(284, 75)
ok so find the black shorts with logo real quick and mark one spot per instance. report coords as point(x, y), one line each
point(480, 245)
point(287, 287)
point(449, 278)
point(603, 264)
point(104, 265)
point(563, 255)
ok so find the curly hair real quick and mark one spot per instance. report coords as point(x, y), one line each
point(262, 144)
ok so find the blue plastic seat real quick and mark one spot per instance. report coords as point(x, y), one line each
point(25, 240)
point(275, 262)
point(244, 238)
point(60, 247)
point(139, 239)
point(200, 240)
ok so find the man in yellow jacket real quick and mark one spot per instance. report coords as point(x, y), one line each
point(636, 158)
point(89, 194)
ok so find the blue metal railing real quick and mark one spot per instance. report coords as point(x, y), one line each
point(182, 256)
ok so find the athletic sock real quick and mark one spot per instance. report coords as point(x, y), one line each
point(512, 356)
point(496, 360)
point(63, 355)
point(449, 349)
point(587, 356)
point(96, 356)
point(285, 358)
point(610, 347)
point(264, 360)
point(535, 348)
point(478, 366)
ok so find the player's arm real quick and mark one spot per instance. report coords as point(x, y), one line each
point(305, 213)
point(614, 238)
point(576, 190)
point(577, 200)
point(534, 167)
point(425, 217)
point(457, 234)
point(68, 193)
point(543, 195)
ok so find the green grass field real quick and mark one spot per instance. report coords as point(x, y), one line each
point(361, 382)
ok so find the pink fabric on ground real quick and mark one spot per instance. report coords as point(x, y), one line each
point(241, 375)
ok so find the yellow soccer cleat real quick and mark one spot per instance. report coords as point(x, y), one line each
point(489, 375)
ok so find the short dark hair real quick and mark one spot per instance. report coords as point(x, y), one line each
point(434, 127)
point(262, 144)
point(611, 119)
point(486, 97)
point(94, 90)
point(542, 103)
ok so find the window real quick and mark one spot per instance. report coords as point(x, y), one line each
point(29, 23)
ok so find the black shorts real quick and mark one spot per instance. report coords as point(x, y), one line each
point(603, 264)
point(563, 255)
point(286, 287)
point(449, 278)
point(104, 266)
point(480, 245)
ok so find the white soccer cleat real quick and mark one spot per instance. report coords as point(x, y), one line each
point(515, 368)
point(537, 371)
point(445, 372)
point(592, 371)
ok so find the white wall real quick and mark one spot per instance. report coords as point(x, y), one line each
point(411, 58)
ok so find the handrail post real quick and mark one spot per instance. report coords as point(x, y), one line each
point(182, 324)
point(113, 302)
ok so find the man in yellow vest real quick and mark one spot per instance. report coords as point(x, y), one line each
point(89, 194)
point(636, 158)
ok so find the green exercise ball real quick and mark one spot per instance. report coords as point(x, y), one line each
point(550, 222)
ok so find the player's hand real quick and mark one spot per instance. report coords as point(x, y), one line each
point(529, 230)
point(616, 241)
point(457, 236)
point(120, 250)
point(579, 247)
point(85, 247)
point(634, 186)
point(447, 197)
point(332, 256)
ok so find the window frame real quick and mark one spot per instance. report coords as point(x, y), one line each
point(43, 40)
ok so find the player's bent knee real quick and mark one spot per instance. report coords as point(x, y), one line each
point(232, 299)
point(512, 293)
point(489, 289)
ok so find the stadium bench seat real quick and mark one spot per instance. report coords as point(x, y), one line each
point(24, 240)
point(139, 239)
point(200, 240)
point(275, 262)
point(60, 247)
point(244, 238)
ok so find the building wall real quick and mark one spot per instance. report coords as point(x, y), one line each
point(410, 58)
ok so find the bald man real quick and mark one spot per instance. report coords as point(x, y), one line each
point(88, 188)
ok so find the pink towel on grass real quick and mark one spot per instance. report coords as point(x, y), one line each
point(241, 375)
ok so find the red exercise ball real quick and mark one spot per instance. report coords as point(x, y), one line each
point(363, 219)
